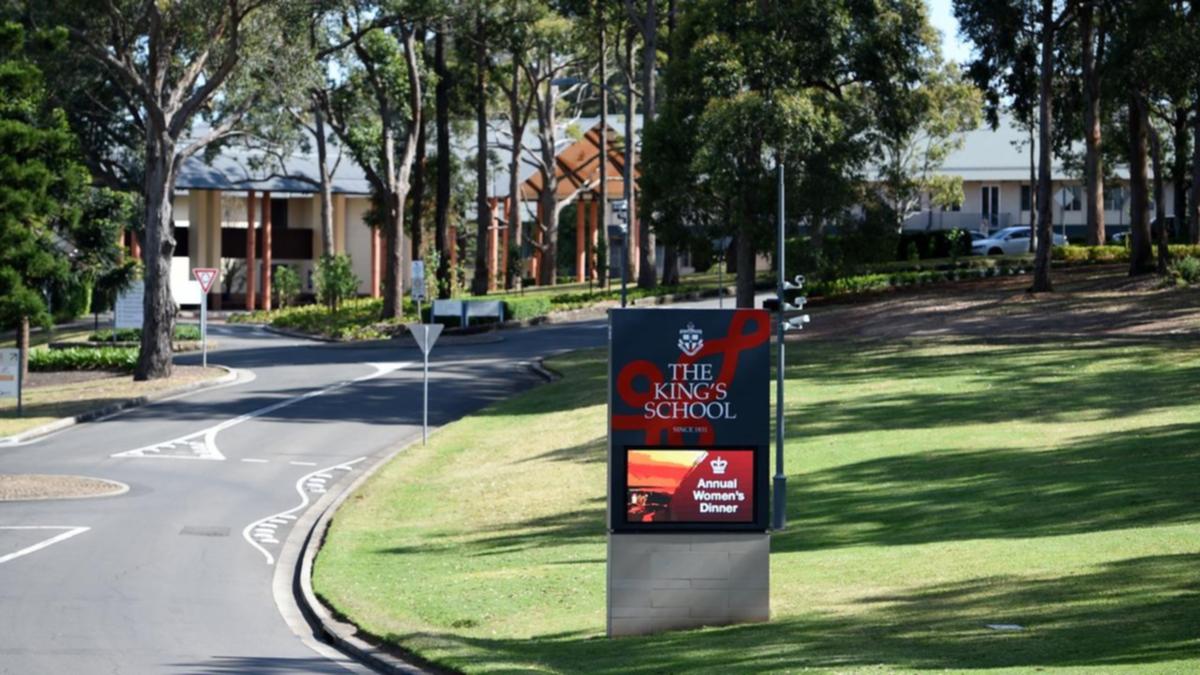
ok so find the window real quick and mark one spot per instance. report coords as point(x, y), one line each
point(1114, 198)
point(1026, 198)
point(1076, 203)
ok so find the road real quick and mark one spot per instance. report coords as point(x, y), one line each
point(175, 576)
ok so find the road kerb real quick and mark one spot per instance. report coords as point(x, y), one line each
point(292, 584)
point(92, 415)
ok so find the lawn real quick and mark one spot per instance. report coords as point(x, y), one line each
point(935, 487)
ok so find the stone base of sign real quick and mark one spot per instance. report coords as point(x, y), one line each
point(659, 582)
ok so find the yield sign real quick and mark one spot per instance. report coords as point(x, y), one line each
point(206, 276)
point(425, 334)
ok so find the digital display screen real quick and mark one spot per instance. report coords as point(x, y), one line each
point(689, 485)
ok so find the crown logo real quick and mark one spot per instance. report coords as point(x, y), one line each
point(691, 340)
point(718, 466)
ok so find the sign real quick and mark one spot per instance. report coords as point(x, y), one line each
point(205, 276)
point(130, 308)
point(10, 373)
point(418, 280)
point(426, 334)
point(620, 209)
point(689, 418)
point(1065, 197)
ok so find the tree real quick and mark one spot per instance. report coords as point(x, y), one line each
point(943, 108)
point(39, 184)
point(814, 85)
point(645, 20)
point(1093, 33)
point(377, 114)
point(172, 64)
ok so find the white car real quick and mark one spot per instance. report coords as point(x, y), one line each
point(1009, 241)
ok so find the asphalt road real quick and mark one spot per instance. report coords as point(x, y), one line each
point(175, 576)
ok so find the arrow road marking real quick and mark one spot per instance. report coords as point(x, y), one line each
point(262, 531)
point(203, 444)
point(70, 532)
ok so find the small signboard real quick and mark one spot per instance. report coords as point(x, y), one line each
point(620, 209)
point(130, 310)
point(10, 373)
point(418, 280)
point(205, 276)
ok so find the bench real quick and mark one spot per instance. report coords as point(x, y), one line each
point(464, 310)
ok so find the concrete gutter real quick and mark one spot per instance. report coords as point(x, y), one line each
point(298, 602)
point(98, 413)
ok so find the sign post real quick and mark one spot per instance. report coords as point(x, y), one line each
point(11, 382)
point(688, 463)
point(205, 276)
point(426, 334)
point(418, 284)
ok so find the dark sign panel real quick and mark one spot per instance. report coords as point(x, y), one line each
point(689, 419)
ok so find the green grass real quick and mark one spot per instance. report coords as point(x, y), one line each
point(933, 488)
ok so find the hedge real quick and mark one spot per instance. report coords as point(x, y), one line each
point(109, 358)
point(1116, 254)
point(183, 333)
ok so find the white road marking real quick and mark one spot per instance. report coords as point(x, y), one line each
point(70, 532)
point(203, 443)
point(296, 463)
point(290, 514)
point(253, 460)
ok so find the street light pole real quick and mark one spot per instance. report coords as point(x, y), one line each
point(779, 517)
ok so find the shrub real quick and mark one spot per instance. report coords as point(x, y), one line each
point(286, 285)
point(523, 308)
point(335, 281)
point(1186, 271)
point(183, 333)
point(107, 358)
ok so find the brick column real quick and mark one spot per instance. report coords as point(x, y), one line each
point(580, 241)
point(251, 260)
point(266, 255)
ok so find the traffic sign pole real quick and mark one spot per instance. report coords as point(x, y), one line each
point(425, 334)
point(206, 277)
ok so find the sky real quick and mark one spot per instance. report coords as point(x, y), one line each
point(941, 15)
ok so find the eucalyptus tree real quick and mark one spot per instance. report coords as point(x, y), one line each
point(811, 85)
point(376, 113)
point(645, 19)
point(172, 65)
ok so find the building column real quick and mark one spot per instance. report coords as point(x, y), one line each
point(580, 241)
point(251, 261)
point(266, 251)
point(504, 243)
point(197, 224)
point(593, 232)
point(339, 224)
point(216, 217)
point(374, 262)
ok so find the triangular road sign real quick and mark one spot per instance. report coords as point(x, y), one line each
point(425, 334)
point(206, 276)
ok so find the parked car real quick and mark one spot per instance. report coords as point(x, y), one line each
point(1009, 241)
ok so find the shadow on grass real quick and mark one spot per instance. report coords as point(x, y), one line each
point(559, 529)
point(1136, 611)
point(1106, 481)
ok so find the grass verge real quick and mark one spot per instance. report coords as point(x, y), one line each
point(54, 400)
point(934, 488)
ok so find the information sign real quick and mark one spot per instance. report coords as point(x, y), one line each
point(10, 373)
point(418, 280)
point(130, 310)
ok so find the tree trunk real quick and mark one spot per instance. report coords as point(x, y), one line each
point(1179, 168)
point(1045, 239)
point(547, 119)
point(518, 116)
point(744, 256)
point(1033, 196)
point(1160, 209)
point(326, 180)
point(393, 254)
point(418, 196)
point(441, 209)
point(1194, 220)
point(602, 225)
point(647, 272)
point(158, 326)
point(1092, 170)
point(1140, 261)
point(483, 215)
